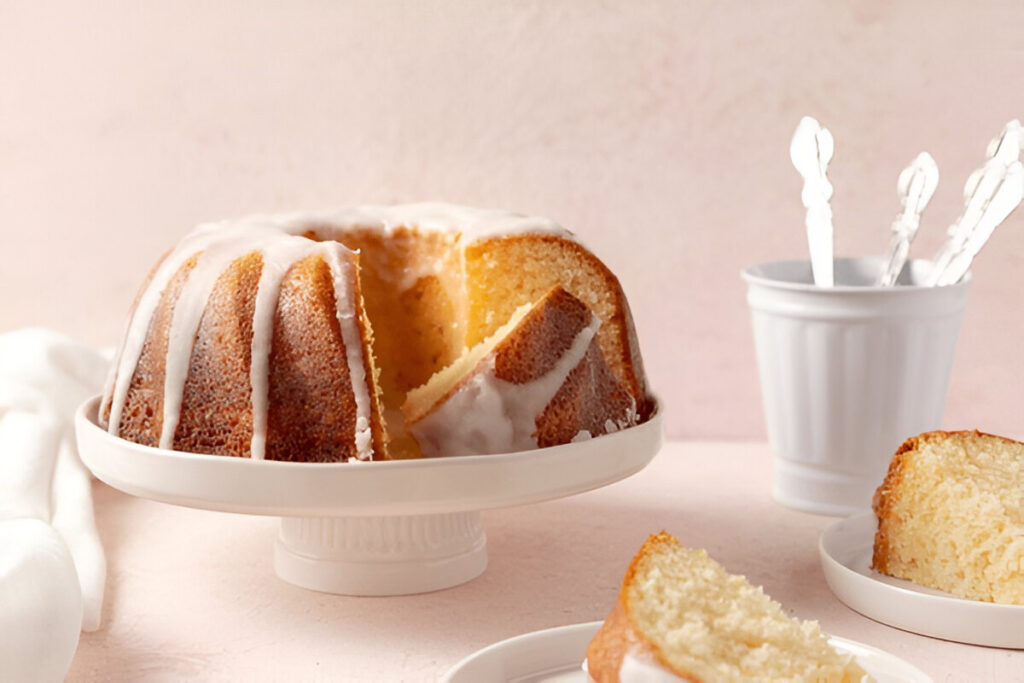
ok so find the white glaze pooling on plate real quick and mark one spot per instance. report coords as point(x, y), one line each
point(639, 670)
point(634, 669)
point(486, 414)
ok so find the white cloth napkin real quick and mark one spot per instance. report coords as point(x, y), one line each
point(52, 566)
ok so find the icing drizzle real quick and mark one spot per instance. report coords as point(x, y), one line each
point(278, 239)
point(494, 415)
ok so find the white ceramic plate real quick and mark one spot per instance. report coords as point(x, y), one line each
point(410, 487)
point(555, 656)
point(846, 548)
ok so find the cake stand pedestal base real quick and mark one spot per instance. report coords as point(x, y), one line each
point(386, 555)
point(376, 528)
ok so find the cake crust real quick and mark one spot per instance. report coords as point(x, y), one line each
point(949, 515)
point(618, 636)
point(541, 380)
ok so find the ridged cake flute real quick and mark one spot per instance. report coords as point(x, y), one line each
point(298, 337)
point(680, 616)
point(224, 339)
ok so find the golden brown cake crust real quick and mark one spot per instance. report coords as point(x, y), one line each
point(949, 516)
point(616, 638)
point(590, 400)
point(524, 267)
point(542, 337)
point(886, 496)
point(312, 406)
point(673, 621)
point(591, 395)
point(142, 420)
point(552, 339)
point(216, 406)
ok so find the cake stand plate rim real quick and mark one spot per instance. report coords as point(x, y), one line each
point(409, 487)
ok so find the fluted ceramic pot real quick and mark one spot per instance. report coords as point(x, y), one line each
point(848, 373)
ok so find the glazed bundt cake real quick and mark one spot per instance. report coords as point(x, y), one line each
point(950, 515)
point(681, 616)
point(299, 337)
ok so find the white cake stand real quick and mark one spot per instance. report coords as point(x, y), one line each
point(378, 528)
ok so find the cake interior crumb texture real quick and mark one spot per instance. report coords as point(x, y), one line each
point(718, 627)
point(950, 515)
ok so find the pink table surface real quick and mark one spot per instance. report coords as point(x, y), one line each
point(192, 595)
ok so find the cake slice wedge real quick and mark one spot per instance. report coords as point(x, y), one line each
point(951, 515)
point(681, 616)
point(540, 380)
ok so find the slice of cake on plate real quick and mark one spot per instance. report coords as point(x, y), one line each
point(950, 515)
point(681, 616)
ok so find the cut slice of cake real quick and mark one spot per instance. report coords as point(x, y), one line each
point(681, 614)
point(541, 379)
point(950, 515)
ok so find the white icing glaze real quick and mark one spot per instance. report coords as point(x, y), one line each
point(341, 268)
point(487, 414)
point(634, 669)
point(277, 239)
point(276, 262)
point(217, 248)
point(215, 257)
point(471, 223)
point(630, 420)
point(410, 275)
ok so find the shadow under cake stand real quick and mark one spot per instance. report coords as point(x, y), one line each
point(374, 528)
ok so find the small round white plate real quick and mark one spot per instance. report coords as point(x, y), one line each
point(556, 655)
point(846, 549)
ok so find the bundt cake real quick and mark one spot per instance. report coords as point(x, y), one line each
point(681, 616)
point(950, 515)
point(298, 337)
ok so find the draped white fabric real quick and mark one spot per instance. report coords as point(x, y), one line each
point(52, 565)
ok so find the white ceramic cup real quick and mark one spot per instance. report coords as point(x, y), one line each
point(848, 373)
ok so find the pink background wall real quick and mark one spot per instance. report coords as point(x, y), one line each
point(658, 131)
